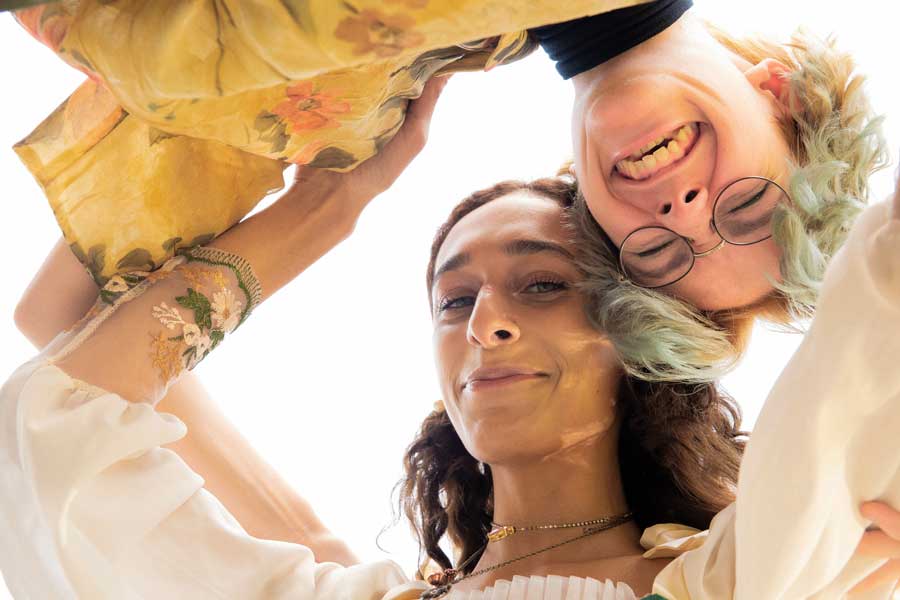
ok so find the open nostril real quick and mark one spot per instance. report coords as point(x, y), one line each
point(690, 196)
point(666, 209)
point(503, 334)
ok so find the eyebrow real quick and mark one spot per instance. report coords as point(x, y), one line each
point(513, 248)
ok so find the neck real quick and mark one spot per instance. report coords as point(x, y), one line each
point(581, 483)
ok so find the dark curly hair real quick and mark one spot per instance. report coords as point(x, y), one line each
point(680, 444)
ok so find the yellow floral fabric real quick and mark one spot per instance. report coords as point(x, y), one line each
point(193, 108)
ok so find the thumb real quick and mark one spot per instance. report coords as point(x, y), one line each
point(422, 108)
point(413, 134)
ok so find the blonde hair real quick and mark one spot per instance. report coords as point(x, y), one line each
point(836, 144)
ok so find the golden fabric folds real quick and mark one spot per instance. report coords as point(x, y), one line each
point(193, 109)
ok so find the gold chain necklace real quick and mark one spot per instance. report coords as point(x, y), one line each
point(500, 532)
point(445, 580)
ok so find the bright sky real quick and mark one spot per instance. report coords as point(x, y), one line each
point(331, 377)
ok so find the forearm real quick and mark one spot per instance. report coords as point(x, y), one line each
point(265, 505)
point(310, 219)
point(150, 334)
point(58, 296)
point(263, 502)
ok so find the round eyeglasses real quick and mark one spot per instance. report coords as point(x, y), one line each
point(654, 256)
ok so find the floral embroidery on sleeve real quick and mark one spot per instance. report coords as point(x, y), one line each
point(212, 307)
point(194, 322)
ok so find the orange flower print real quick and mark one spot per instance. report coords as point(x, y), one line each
point(307, 109)
point(385, 35)
point(49, 24)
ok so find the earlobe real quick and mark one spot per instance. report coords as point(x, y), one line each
point(772, 76)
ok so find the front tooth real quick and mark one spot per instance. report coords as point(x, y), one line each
point(661, 155)
point(649, 162)
point(675, 150)
point(652, 145)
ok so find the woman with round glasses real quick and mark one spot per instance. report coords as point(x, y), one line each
point(676, 121)
point(542, 465)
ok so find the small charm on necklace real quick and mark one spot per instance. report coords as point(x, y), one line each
point(443, 578)
point(434, 593)
point(500, 532)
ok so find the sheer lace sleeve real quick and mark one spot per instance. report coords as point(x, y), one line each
point(147, 328)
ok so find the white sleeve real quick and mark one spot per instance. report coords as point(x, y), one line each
point(827, 440)
point(93, 507)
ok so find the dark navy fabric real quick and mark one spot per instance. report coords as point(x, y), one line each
point(579, 45)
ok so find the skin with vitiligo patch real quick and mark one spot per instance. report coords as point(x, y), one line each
point(551, 439)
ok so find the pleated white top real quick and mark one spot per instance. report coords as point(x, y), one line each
point(552, 587)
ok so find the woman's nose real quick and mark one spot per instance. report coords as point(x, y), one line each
point(491, 324)
point(688, 212)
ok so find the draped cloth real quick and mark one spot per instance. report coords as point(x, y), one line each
point(192, 109)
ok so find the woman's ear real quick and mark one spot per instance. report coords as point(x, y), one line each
point(772, 76)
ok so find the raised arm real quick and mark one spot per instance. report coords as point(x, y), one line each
point(94, 505)
point(261, 500)
point(160, 324)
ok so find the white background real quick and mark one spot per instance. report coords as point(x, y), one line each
point(331, 377)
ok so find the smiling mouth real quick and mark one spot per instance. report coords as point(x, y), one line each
point(660, 153)
point(475, 385)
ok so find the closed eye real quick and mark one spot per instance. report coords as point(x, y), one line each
point(751, 201)
point(653, 251)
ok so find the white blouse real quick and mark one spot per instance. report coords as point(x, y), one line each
point(92, 506)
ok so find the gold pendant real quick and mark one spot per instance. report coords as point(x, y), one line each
point(434, 593)
point(499, 533)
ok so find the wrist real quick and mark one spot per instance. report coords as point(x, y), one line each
point(328, 193)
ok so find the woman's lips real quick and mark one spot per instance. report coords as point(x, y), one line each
point(490, 378)
point(659, 154)
point(479, 385)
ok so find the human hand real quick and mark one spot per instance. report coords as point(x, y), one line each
point(378, 173)
point(883, 542)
